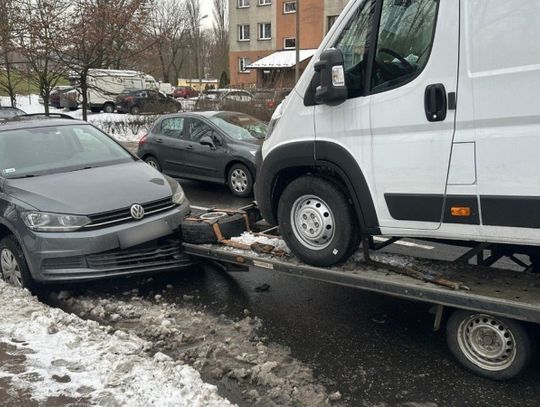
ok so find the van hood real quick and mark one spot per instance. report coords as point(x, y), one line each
point(92, 191)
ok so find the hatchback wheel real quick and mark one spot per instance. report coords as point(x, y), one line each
point(135, 110)
point(240, 180)
point(153, 162)
point(13, 264)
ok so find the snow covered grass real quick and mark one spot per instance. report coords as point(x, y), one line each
point(123, 127)
point(66, 355)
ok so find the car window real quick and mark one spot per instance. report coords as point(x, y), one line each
point(404, 41)
point(240, 126)
point(197, 129)
point(45, 150)
point(172, 127)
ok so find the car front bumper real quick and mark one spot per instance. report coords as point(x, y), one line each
point(149, 245)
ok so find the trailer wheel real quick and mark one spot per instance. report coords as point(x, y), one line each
point(317, 221)
point(493, 347)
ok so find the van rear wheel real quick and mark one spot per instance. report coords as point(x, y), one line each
point(317, 221)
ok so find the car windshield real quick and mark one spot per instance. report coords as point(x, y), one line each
point(53, 149)
point(240, 126)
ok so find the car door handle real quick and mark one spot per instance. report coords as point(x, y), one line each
point(189, 147)
point(159, 140)
point(435, 102)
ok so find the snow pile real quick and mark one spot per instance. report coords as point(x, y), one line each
point(224, 351)
point(66, 355)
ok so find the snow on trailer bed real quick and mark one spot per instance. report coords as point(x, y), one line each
point(501, 292)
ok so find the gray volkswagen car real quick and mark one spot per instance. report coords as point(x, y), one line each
point(75, 205)
point(206, 146)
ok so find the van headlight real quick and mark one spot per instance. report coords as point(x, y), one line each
point(54, 222)
point(178, 196)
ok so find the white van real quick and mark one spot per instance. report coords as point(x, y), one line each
point(104, 85)
point(416, 118)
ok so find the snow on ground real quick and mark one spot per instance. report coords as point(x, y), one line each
point(66, 355)
point(249, 238)
point(123, 127)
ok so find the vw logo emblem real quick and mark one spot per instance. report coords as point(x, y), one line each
point(137, 211)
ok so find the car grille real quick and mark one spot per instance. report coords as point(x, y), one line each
point(124, 215)
point(148, 256)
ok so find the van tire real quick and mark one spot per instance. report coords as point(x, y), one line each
point(460, 332)
point(108, 108)
point(200, 232)
point(330, 235)
point(13, 248)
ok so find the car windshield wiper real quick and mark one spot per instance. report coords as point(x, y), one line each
point(25, 176)
point(83, 168)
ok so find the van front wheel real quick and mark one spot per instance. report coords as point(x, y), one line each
point(317, 221)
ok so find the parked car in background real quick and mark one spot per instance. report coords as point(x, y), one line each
point(56, 93)
point(71, 99)
point(206, 146)
point(7, 112)
point(166, 88)
point(223, 99)
point(146, 101)
point(184, 92)
point(269, 98)
point(78, 206)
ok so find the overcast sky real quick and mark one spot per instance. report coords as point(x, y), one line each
point(206, 8)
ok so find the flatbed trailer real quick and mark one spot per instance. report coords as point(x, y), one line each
point(489, 312)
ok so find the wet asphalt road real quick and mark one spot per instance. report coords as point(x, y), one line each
point(374, 349)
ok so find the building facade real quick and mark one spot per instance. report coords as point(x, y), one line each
point(263, 38)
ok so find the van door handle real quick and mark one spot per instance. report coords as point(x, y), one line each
point(435, 102)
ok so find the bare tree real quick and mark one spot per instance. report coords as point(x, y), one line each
point(169, 32)
point(220, 43)
point(194, 18)
point(90, 37)
point(37, 25)
point(10, 76)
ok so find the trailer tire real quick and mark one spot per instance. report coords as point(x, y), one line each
point(317, 221)
point(200, 232)
point(493, 347)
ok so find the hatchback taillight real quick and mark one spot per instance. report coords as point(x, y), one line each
point(143, 140)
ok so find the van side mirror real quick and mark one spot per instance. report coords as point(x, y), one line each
point(207, 141)
point(332, 89)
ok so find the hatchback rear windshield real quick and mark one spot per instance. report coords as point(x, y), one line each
point(240, 126)
point(48, 150)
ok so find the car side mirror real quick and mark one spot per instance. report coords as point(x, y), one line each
point(207, 141)
point(330, 67)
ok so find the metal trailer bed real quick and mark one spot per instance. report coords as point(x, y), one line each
point(491, 310)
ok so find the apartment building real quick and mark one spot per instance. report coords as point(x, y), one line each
point(263, 38)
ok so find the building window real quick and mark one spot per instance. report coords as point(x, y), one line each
point(289, 7)
point(265, 2)
point(243, 3)
point(330, 20)
point(289, 43)
point(242, 63)
point(265, 31)
point(243, 32)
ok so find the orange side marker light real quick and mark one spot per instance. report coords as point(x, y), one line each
point(460, 211)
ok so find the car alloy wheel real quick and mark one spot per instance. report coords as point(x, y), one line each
point(11, 271)
point(239, 180)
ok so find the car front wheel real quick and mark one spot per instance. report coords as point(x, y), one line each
point(153, 162)
point(13, 265)
point(240, 180)
point(317, 221)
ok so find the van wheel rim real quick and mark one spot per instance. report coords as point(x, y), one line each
point(313, 222)
point(10, 268)
point(239, 180)
point(487, 342)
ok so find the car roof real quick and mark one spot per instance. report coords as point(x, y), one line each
point(30, 121)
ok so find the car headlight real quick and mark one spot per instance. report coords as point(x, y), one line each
point(54, 222)
point(178, 196)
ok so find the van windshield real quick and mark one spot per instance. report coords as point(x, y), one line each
point(53, 149)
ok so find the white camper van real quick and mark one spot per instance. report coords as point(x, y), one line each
point(414, 118)
point(104, 85)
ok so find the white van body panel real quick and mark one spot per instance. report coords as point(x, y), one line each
point(488, 148)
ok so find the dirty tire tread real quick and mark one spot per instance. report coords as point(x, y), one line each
point(346, 239)
point(523, 346)
point(201, 232)
point(11, 243)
